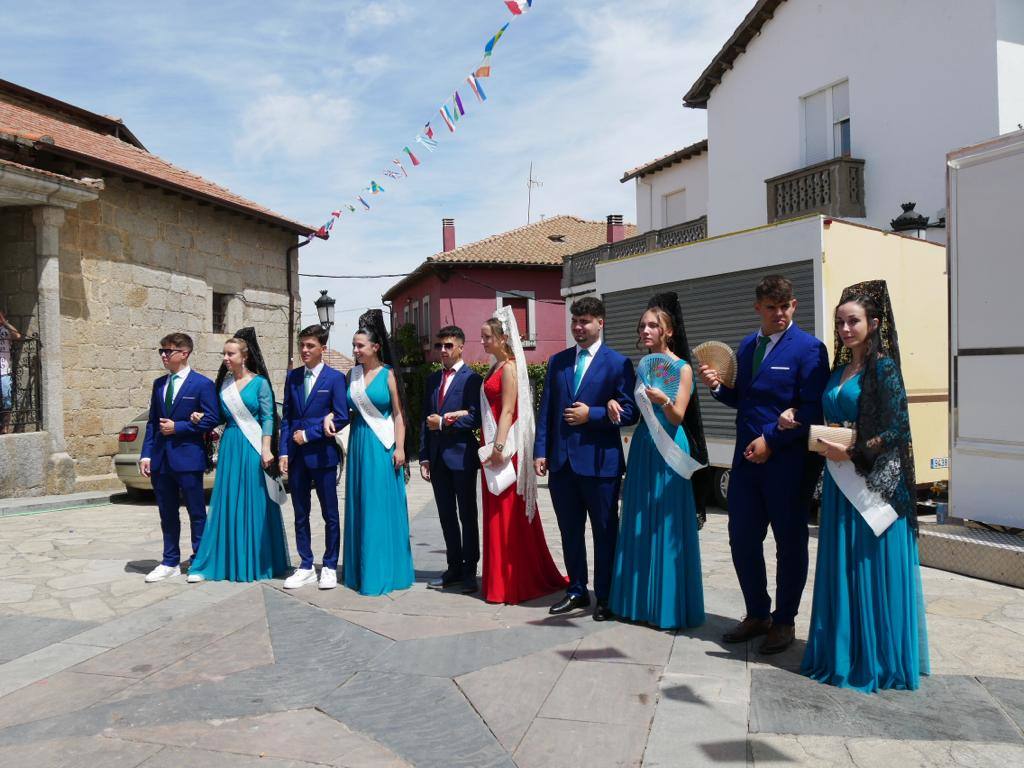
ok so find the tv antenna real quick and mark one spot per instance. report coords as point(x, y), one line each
point(530, 184)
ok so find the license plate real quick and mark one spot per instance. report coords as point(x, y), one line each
point(940, 463)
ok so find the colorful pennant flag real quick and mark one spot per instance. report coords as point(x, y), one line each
point(489, 48)
point(430, 144)
point(447, 117)
point(412, 157)
point(366, 205)
point(459, 109)
point(518, 7)
point(374, 188)
point(476, 88)
point(428, 131)
point(484, 70)
point(401, 167)
point(351, 208)
point(335, 214)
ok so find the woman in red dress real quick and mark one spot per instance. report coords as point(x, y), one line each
point(517, 563)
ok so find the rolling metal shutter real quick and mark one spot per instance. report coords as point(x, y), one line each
point(719, 307)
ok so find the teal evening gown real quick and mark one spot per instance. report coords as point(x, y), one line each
point(867, 619)
point(656, 577)
point(244, 539)
point(377, 557)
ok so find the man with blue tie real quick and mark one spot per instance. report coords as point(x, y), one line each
point(173, 450)
point(779, 367)
point(310, 457)
point(579, 444)
point(449, 460)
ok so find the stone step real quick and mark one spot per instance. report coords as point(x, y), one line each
point(32, 504)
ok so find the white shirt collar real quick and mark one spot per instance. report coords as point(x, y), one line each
point(458, 364)
point(777, 335)
point(316, 369)
point(182, 373)
point(592, 349)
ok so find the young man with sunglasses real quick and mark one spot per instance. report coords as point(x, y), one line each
point(449, 460)
point(173, 454)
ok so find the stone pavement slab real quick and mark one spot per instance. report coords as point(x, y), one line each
point(23, 634)
point(552, 743)
point(77, 752)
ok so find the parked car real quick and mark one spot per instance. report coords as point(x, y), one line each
point(129, 441)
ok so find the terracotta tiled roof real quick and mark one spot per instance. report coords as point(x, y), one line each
point(338, 361)
point(93, 184)
point(52, 135)
point(544, 244)
point(699, 93)
point(665, 161)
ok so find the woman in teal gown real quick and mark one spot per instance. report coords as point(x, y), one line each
point(656, 577)
point(244, 538)
point(377, 557)
point(867, 627)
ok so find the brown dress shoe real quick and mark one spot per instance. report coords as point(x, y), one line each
point(747, 629)
point(779, 638)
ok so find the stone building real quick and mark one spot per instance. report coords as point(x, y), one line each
point(104, 247)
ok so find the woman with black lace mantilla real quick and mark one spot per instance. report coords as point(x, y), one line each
point(867, 620)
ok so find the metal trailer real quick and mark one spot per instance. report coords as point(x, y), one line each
point(986, 275)
point(715, 280)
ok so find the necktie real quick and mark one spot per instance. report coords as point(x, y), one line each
point(445, 377)
point(169, 394)
point(307, 385)
point(581, 366)
point(762, 345)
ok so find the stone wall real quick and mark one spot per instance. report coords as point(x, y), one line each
point(18, 268)
point(139, 263)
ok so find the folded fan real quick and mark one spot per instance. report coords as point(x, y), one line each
point(659, 372)
point(842, 435)
point(720, 357)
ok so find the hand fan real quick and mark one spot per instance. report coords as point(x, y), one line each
point(659, 372)
point(719, 356)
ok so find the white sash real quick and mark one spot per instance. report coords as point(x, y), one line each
point(383, 426)
point(678, 460)
point(875, 510)
point(253, 433)
point(503, 475)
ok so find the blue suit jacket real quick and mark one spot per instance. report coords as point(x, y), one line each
point(184, 450)
point(455, 444)
point(329, 395)
point(792, 375)
point(593, 449)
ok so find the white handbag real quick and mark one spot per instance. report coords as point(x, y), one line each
point(498, 477)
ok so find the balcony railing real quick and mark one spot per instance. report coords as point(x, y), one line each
point(834, 188)
point(26, 412)
point(580, 268)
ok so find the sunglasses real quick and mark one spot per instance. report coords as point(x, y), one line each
point(164, 352)
point(448, 345)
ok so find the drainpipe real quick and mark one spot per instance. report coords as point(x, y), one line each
point(291, 296)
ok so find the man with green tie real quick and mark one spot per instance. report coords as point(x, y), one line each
point(173, 451)
point(779, 367)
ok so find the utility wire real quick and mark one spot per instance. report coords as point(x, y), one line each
point(354, 277)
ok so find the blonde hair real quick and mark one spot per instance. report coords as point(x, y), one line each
point(243, 347)
point(499, 332)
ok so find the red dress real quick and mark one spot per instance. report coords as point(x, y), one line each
point(517, 563)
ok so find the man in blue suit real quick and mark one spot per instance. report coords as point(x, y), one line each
point(310, 457)
point(580, 446)
point(173, 451)
point(449, 459)
point(779, 367)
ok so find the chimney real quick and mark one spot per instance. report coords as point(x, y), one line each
point(448, 234)
point(615, 229)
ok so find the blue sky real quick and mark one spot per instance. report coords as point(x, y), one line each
point(298, 104)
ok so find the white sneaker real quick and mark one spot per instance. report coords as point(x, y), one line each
point(328, 578)
point(300, 578)
point(162, 572)
point(195, 578)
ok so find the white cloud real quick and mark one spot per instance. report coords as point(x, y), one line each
point(375, 14)
point(295, 126)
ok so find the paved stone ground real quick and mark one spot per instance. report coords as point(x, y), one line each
point(97, 667)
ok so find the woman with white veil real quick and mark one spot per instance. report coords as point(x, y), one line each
point(517, 564)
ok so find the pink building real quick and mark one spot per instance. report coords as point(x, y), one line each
point(464, 285)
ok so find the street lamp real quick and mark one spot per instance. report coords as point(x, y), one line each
point(325, 310)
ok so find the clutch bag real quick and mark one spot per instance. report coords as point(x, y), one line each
point(498, 478)
point(720, 357)
point(842, 435)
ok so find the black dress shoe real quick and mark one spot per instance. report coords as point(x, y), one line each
point(778, 639)
point(569, 603)
point(747, 629)
point(603, 613)
point(469, 585)
point(444, 581)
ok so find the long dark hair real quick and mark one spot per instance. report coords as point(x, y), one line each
point(371, 325)
point(254, 362)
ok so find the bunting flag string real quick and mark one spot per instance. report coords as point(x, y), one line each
point(450, 112)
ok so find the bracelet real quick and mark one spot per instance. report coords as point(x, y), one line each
point(499, 447)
